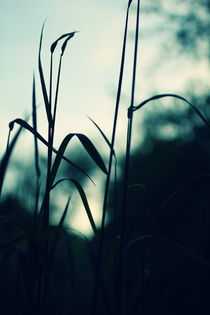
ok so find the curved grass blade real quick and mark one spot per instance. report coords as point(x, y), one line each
point(88, 146)
point(12, 242)
point(158, 96)
point(42, 79)
point(63, 47)
point(83, 197)
point(60, 181)
point(5, 159)
point(184, 186)
point(169, 241)
point(25, 125)
point(85, 204)
point(12, 218)
point(54, 44)
point(103, 135)
point(84, 201)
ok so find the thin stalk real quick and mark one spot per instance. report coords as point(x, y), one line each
point(126, 174)
point(8, 141)
point(47, 190)
point(49, 155)
point(101, 239)
point(36, 151)
point(46, 215)
point(51, 81)
point(56, 93)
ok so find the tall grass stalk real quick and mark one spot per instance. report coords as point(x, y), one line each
point(108, 178)
point(36, 152)
point(119, 286)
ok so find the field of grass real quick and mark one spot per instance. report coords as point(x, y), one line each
point(162, 268)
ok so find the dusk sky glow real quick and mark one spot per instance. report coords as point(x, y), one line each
point(90, 66)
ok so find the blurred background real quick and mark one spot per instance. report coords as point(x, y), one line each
point(174, 56)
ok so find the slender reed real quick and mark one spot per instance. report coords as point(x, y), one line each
point(102, 227)
point(119, 289)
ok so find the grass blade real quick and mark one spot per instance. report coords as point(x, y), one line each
point(60, 225)
point(25, 125)
point(84, 201)
point(90, 148)
point(34, 117)
point(5, 159)
point(104, 136)
point(19, 238)
point(169, 241)
point(159, 96)
point(43, 85)
point(63, 47)
point(85, 204)
point(12, 218)
point(106, 192)
point(83, 197)
point(119, 282)
point(54, 44)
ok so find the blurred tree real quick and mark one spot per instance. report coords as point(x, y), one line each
point(183, 29)
point(186, 22)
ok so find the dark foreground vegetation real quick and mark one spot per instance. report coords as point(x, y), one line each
point(153, 255)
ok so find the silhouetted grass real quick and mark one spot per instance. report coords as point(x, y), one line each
point(50, 271)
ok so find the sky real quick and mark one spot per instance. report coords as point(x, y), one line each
point(90, 67)
point(89, 64)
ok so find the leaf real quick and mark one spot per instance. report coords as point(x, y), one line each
point(83, 197)
point(85, 204)
point(8, 244)
point(12, 218)
point(43, 85)
point(25, 125)
point(60, 181)
point(6, 157)
point(54, 44)
point(87, 145)
point(84, 200)
point(92, 151)
point(65, 42)
point(103, 135)
point(64, 214)
point(158, 96)
point(169, 241)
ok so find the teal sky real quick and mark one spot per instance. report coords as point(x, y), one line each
point(91, 59)
point(91, 62)
point(90, 67)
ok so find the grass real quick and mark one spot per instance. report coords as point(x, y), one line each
point(39, 252)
